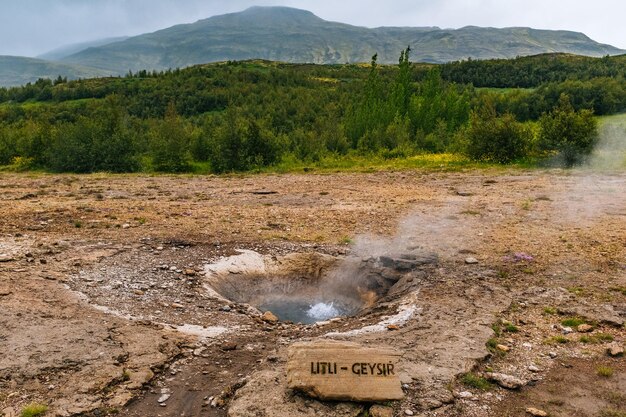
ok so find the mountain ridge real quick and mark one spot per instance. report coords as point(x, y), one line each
point(297, 36)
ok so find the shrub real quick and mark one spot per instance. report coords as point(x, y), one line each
point(493, 138)
point(572, 134)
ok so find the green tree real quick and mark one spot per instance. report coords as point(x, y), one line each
point(493, 138)
point(169, 143)
point(572, 134)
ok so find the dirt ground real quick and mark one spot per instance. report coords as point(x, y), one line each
point(105, 310)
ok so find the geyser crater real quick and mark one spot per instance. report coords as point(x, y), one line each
point(312, 287)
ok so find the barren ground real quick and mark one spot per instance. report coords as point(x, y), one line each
point(103, 307)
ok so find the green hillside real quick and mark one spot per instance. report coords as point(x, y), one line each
point(292, 35)
point(256, 115)
point(19, 70)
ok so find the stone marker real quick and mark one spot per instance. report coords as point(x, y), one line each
point(331, 370)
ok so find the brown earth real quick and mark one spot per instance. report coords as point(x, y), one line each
point(105, 311)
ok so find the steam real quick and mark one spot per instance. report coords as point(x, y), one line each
point(598, 187)
point(437, 230)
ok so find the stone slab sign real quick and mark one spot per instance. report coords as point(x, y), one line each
point(331, 370)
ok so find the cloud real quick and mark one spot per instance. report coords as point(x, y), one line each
point(31, 27)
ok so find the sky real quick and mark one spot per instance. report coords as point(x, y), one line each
point(33, 27)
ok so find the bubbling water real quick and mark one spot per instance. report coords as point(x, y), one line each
point(323, 311)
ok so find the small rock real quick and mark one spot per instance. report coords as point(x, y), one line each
point(464, 193)
point(584, 328)
point(164, 397)
point(393, 327)
point(552, 355)
point(567, 330)
point(505, 381)
point(614, 349)
point(381, 411)
point(4, 293)
point(9, 412)
point(536, 412)
point(189, 272)
point(269, 317)
point(408, 412)
point(503, 348)
point(465, 394)
point(533, 368)
point(177, 305)
point(139, 292)
point(126, 226)
point(527, 345)
point(228, 346)
point(6, 258)
point(159, 248)
point(471, 261)
point(225, 308)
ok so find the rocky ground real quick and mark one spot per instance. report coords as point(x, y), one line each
point(105, 308)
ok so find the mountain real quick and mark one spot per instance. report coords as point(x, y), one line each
point(67, 50)
point(293, 35)
point(15, 70)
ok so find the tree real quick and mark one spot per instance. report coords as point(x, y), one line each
point(494, 138)
point(169, 143)
point(572, 134)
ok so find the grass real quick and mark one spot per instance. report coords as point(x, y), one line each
point(572, 322)
point(34, 410)
point(619, 289)
point(556, 340)
point(596, 338)
point(353, 162)
point(550, 310)
point(475, 381)
point(511, 328)
point(604, 371)
point(611, 412)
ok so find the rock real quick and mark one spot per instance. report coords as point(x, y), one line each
point(471, 261)
point(5, 292)
point(552, 354)
point(533, 368)
point(536, 412)
point(503, 348)
point(126, 226)
point(381, 411)
point(225, 308)
point(269, 317)
point(177, 305)
point(408, 412)
point(465, 394)
point(6, 258)
point(584, 328)
point(527, 345)
point(8, 412)
point(393, 327)
point(228, 346)
point(464, 193)
point(566, 330)
point(189, 272)
point(505, 381)
point(615, 350)
point(331, 370)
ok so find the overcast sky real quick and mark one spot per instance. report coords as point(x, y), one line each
point(32, 27)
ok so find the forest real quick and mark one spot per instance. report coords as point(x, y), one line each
point(243, 116)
